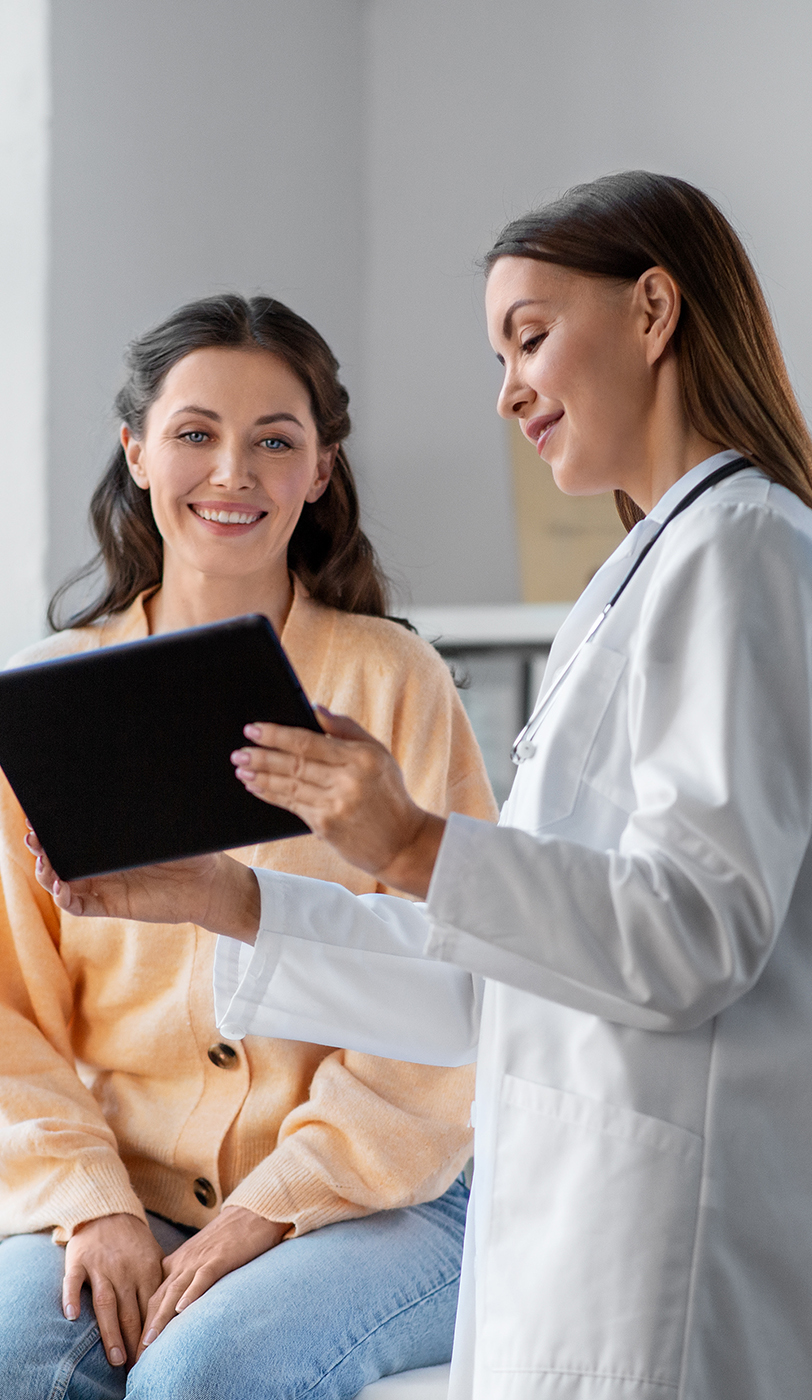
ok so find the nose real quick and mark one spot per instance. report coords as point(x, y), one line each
point(514, 396)
point(232, 467)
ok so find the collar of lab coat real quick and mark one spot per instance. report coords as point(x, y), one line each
point(603, 584)
point(686, 483)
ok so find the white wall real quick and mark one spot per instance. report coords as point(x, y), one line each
point(480, 109)
point(23, 290)
point(199, 146)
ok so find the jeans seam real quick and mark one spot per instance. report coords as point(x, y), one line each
point(69, 1363)
point(424, 1298)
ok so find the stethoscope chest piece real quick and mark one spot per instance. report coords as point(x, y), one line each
point(524, 749)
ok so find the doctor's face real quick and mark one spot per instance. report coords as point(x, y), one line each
point(575, 377)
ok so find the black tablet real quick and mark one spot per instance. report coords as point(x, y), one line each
point(121, 756)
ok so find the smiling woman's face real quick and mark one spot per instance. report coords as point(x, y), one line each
point(576, 375)
point(229, 455)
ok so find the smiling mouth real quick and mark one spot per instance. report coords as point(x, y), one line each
point(227, 517)
point(538, 430)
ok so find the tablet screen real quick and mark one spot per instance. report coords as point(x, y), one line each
point(121, 756)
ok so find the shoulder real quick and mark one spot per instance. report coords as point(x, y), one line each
point(68, 643)
point(390, 646)
point(746, 526)
point(745, 502)
point(736, 566)
point(127, 626)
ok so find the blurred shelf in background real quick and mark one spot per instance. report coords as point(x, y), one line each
point(497, 653)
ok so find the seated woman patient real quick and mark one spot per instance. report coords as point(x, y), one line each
point(294, 1212)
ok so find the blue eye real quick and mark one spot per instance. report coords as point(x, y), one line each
point(274, 443)
point(195, 435)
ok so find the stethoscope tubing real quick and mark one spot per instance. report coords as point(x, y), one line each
point(524, 747)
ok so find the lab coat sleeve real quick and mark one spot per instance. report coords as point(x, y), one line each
point(353, 976)
point(677, 922)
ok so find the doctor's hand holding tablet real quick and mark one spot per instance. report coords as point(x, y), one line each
point(641, 915)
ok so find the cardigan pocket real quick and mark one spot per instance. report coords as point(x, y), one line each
point(590, 1242)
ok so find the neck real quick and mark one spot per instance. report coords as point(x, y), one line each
point(670, 446)
point(188, 598)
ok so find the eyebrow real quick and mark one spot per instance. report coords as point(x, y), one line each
point(507, 324)
point(259, 422)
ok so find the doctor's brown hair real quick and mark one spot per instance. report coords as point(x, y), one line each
point(735, 385)
point(328, 550)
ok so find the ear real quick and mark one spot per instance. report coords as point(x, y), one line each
point(133, 453)
point(659, 302)
point(324, 470)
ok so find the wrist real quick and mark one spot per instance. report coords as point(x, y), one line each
point(411, 869)
point(271, 1232)
point(234, 901)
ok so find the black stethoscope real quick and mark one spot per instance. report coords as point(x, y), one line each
point(524, 747)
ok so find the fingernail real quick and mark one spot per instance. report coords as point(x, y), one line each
point(57, 886)
point(117, 1357)
point(150, 1337)
point(180, 1305)
point(252, 731)
point(239, 756)
point(71, 1313)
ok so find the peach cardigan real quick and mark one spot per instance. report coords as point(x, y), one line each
point(118, 1094)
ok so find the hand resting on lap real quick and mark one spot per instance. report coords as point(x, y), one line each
point(136, 1293)
point(234, 1238)
point(119, 1259)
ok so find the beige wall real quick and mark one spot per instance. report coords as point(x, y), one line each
point(562, 539)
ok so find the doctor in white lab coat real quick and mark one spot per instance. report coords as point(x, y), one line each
point(641, 1224)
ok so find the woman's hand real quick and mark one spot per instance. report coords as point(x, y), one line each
point(120, 1259)
point(350, 791)
point(213, 891)
point(233, 1239)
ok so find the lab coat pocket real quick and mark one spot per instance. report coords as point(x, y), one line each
point(590, 1241)
point(566, 737)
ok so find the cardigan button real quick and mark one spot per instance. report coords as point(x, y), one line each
point(223, 1056)
point(205, 1192)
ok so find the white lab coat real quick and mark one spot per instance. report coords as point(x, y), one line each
point(642, 1224)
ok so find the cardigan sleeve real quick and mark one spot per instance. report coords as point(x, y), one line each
point(375, 1133)
point(59, 1165)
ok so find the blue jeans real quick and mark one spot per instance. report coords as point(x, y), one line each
point(320, 1316)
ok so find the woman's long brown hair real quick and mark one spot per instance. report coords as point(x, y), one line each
point(328, 550)
point(735, 385)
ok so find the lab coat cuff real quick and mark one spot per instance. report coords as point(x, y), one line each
point(454, 871)
point(242, 973)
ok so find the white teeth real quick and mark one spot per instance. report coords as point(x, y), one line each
point(227, 517)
